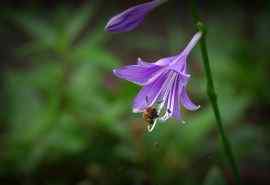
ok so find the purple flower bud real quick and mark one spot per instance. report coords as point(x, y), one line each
point(163, 83)
point(131, 18)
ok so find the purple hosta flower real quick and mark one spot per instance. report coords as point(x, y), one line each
point(164, 84)
point(132, 17)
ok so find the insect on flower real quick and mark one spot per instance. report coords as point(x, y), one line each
point(150, 116)
point(164, 85)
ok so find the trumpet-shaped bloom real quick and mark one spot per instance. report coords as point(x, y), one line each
point(132, 17)
point(163, 83)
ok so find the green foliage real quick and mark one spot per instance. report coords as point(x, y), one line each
point(55, 103)
point(214, 177)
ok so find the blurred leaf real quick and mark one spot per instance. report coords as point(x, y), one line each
point(78, 22)
point(139, 41)
point(92, 39)
point(97, 56)
point(37, 28)
point(215, 177)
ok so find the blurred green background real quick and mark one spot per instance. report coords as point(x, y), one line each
point(66, 120)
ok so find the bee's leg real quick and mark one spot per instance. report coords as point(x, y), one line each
point(151, 127)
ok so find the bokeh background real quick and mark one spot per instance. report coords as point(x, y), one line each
point(66, 120)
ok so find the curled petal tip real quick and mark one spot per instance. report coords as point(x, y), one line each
point(187, 103)
point(195, 108)
point(115, 72)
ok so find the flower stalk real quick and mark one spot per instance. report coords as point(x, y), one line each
point(212, 93)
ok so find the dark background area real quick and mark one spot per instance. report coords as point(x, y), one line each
point(65, 119)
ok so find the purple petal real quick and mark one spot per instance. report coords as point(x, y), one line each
point(164, 94)
point(149, 94)
point(170, 101)
point(130, 18)
point(165, 61)
point(139, 74)
point(173, 100)
point(143, 63)
point(176, 95)
point(181, 68)
point(161, 62)
point(168, 97)
point(179, 63)
point(125, 26)
point(186, 102)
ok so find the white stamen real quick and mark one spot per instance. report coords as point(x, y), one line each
point(151, 127)
point(167, 114)
point(165, 117)
point(160, 106)
point(165, 96)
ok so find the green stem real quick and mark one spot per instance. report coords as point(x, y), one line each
point(212, 94)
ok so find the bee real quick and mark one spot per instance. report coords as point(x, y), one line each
point(149, 115)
